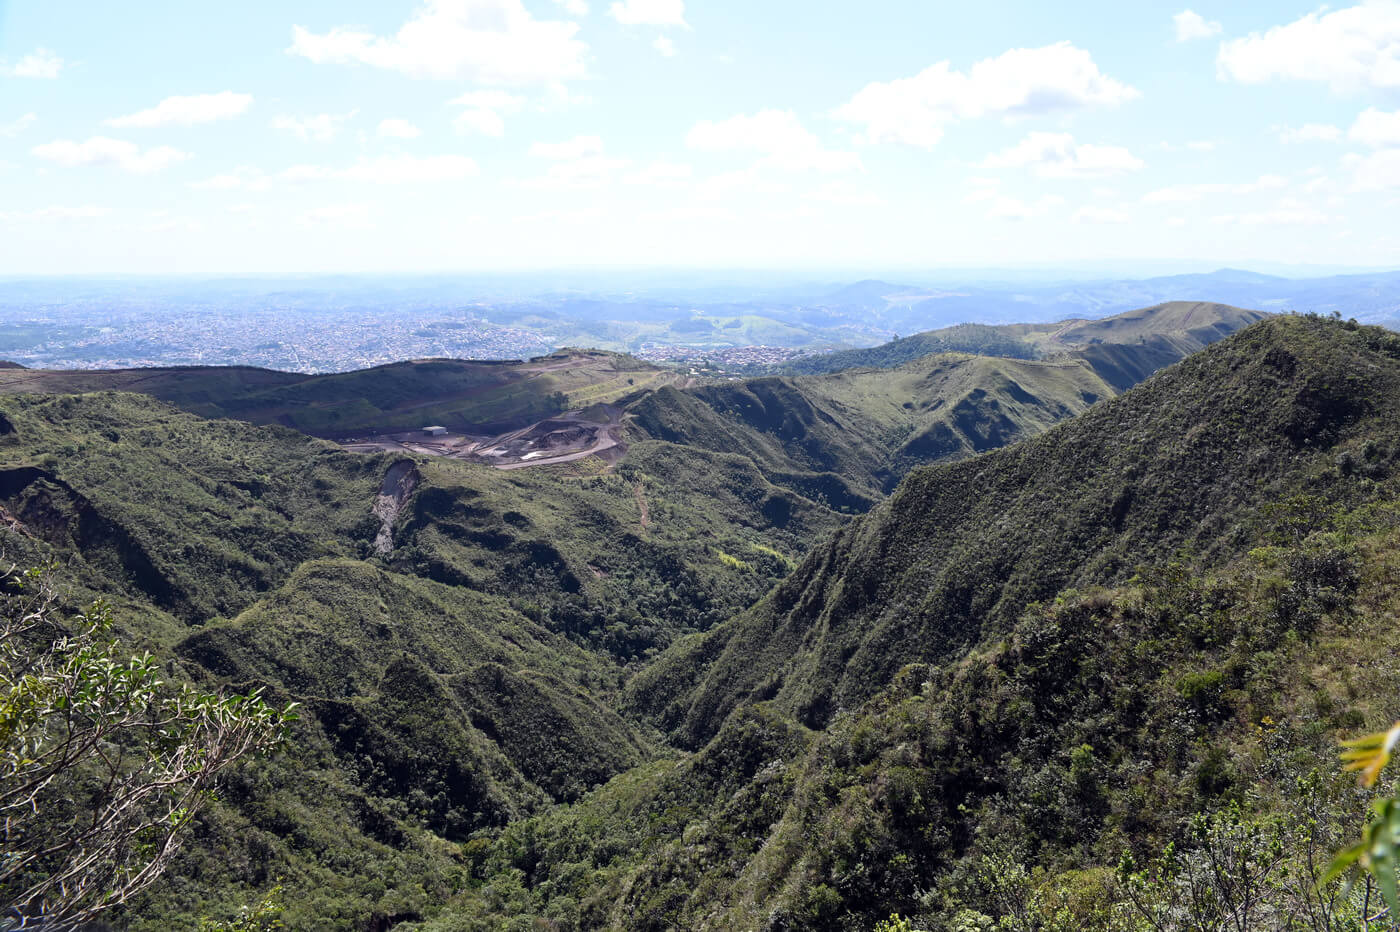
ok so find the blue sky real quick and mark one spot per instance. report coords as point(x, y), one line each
point(398, 135)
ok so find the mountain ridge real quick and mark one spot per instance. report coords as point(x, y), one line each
point(829, 633)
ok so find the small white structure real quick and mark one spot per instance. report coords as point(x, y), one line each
point(435, 431)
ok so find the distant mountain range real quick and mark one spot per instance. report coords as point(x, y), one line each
point(1370, 298)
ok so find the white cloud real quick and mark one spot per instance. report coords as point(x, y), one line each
point(649, 12)
point(40, 63)
point(578, 163)
point(844, 195)
point(1182, 193)
point(662, 174)
point(186, 111)
point(593, 171)
point(487, 41)
point(1376, 128)
point(982, 187)
point(574, 7)
point(777, 135)
point(486, 122)
point(577, 148)
point(17, 126)
point(1288, 213)
point(749, 181)
point(242, 178)
point(1099, 215)
point(1194, 145)
point(1176, 222)
point(1320, 183)
point(1309, 132)
point(1019, 82)
point(693, 213)
point(100, 150)
point(1002, 206)
point(1055, 155)
point(396, 169)
point(1005, 207)
point(560, 216)
point(84, 212)
point(481, 111)
point(162, 221)
point(395, 128)
point(1191, 25)
point(323, 127)
point(345, 216)
point(1348, 49)
point(665, 46)
point(1377, 171)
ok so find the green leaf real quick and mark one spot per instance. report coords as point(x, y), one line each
point(1370, 753)
point(1344, 861)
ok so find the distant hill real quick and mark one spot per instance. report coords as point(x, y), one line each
point(458, 394)
point(904, 406)
point(861, 430)
point(1188, 325)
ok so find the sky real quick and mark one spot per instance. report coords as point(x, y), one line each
point(309, 136)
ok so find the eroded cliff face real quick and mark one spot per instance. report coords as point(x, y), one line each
point(399, 483)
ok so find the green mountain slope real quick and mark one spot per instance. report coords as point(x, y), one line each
point(1168, 606)
point(857, 432)
point(1187, 325)
point(672, 542)
point(958, 552)
point(456, 647)
point(1094, 619)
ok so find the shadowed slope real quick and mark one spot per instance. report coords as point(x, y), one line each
point(460, 394)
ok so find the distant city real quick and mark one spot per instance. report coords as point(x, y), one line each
point(290, 341)
point(344, 323)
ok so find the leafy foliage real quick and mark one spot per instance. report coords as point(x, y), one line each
point(103, 763)
point(1378, 851)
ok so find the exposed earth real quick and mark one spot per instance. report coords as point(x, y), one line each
point(573, 435)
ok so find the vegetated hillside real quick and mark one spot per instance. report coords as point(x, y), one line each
point(459, 394)
point(198, 518)
point(850, 436)
point(982, 339)
point(673, 541)
point(1147, 626)
point(1184, 326)
point(957, 553)
point(456, 634)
